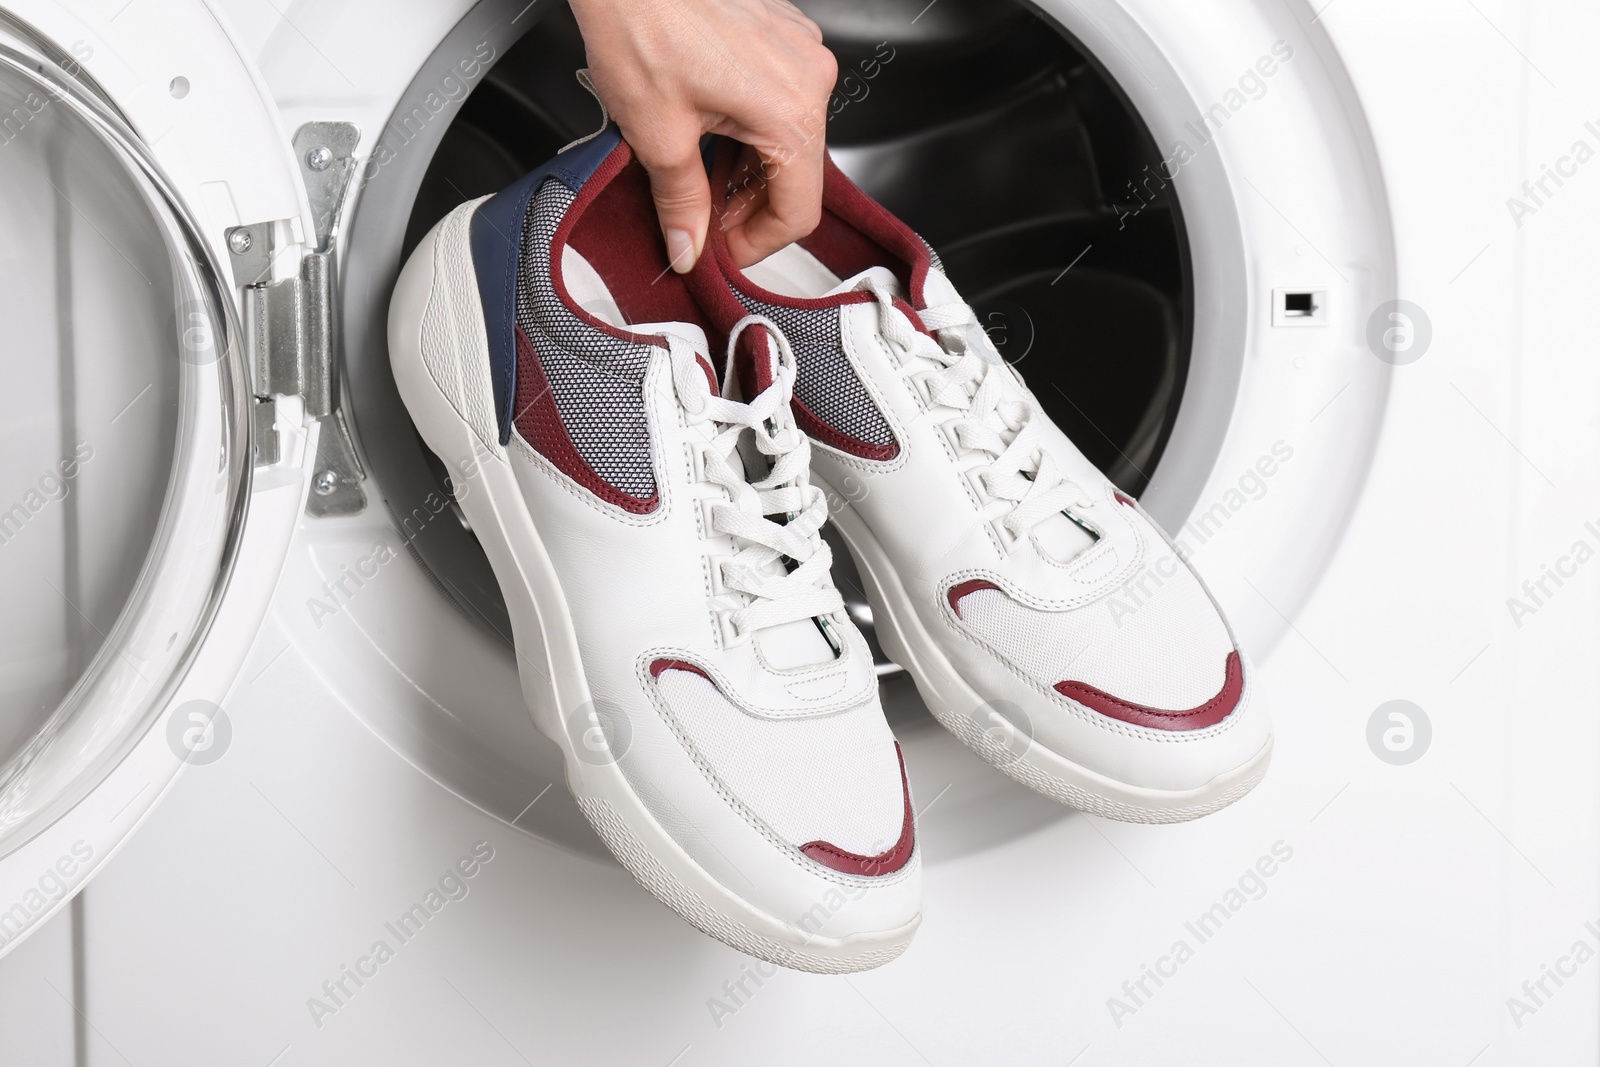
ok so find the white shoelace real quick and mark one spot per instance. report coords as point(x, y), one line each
point(992, 420)
point(765, 589)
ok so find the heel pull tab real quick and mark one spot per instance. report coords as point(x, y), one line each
point(587, 82)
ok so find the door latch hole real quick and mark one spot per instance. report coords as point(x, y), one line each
point(1299, 307)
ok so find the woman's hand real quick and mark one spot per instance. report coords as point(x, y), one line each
point(756, 70)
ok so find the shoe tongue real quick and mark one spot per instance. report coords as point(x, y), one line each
point(936, 289)
point(787, 645)
point(1057, 536)
point(1060, 539)
point(794, 644)
point(883, 275)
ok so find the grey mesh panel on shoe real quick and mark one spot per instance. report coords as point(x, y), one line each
point(824, 380)
point(596, 380)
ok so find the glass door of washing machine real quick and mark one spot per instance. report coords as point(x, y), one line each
point(124, 476)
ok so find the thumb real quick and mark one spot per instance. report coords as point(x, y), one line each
point(682, 196)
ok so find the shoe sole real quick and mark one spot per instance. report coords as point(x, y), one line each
point(548, 659)
point(954, 704)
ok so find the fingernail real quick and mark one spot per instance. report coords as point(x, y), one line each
point(680, 250)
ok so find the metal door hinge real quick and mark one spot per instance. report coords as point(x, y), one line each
point(289, 335)
point(290, 325)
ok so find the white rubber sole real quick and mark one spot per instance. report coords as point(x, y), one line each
point(549, 662)
point(953, 702)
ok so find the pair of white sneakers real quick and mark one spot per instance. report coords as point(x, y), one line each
point(648, 459)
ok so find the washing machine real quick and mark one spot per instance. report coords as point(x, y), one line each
point(1306, 279)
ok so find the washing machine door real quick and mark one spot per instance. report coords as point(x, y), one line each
point(146, 493)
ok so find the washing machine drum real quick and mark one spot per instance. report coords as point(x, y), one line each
point(982, 126)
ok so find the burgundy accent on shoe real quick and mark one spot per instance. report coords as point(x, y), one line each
point(912, 316)
point(887, 862)
point(1123, 498)
point(857, 232)
point(539, 421)
point(830, 408)
point(962, 589)
point(662, 665)
point(1210, 713)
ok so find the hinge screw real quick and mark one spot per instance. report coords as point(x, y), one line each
point(319, 158)
point(239, 241)
point(325, 482)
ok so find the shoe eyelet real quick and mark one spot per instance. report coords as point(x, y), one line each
point(706, 505)
point(728, 636)
point(948, 430)
point(974, 477)
point(917, 385)
point(1008, 540)
point(714, 575)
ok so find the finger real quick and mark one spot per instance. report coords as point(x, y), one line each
point(746, 193)
point(799, 18)
point(682, 197)
point(788, 207)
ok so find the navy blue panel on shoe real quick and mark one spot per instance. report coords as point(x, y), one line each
point(575, 165)
point(496, 236)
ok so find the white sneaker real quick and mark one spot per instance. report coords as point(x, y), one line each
point(718, 710)
point(1047, 621)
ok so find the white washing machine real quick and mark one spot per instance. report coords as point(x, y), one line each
point(1308, 279)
